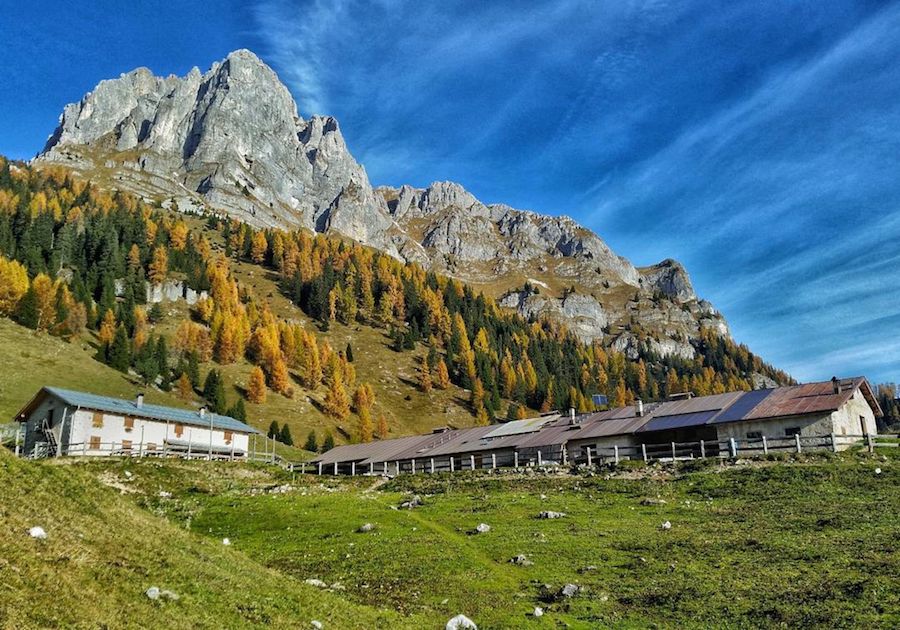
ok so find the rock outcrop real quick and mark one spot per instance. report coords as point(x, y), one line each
point(231, 140)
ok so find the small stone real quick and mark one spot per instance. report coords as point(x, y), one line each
point(461, 622)
point(547, 514)
point(226, 542)
point(365, 527)
point(538, 611)
point(482, 528)
point(169, 595)
point(37, 532)
point(569, 590)
point(521, 560)
point(165, 495)
point(587, 569)
point(667, 525)
point(128, 474)
point(651, 501)
point(316, 582)
point(878, 471)
point(152, 593)
point(316, 624)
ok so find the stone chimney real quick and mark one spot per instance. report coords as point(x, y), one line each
point(202, 412)
point(836, 384)
point(139, 401)
point(639, 407)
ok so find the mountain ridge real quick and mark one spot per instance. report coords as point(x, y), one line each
point(231, 139)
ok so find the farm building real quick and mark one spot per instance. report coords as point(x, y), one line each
point(837, 413)
point(65, 422)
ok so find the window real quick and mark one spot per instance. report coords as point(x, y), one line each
point(98, 420)
point(126, 445)
point(95, 442)
point(754, 435)
point(151, 446)
point(129, 423)
point(228, 436)
point(179, 430)
point(792, 431)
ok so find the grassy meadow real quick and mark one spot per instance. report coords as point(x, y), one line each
point(809, 542)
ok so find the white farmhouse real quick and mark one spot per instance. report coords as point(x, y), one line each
point(64, 422)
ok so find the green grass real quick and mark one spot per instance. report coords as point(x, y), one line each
point(803, 544)
point(103, 551)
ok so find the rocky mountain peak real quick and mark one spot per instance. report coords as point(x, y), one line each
point(231, 139)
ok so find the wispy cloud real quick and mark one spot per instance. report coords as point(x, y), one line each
point(756, 142)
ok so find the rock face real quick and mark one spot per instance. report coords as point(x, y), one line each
point(231, 141)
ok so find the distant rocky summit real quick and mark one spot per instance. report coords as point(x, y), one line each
point(231, 140)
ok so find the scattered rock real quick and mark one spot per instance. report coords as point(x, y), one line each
point(538, 611)
point(365, 527)
point(37, 532)
point(226, 542)
point(543, 496)
point(521, 560)
point(877, 471)
point(548, 594)
point(165, 495)
point(461, 622)
point(666, 525)
point(482, 528)
point(415, 502)
point(128, 474)
point(169, 595)
point(316, 624)
point(549, 514)
point(152, 592)
point(316, 582)
point(651, 501)
point(587, 569)
point(569, 590)
point(337, 586)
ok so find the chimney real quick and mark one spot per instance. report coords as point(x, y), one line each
point(139, 402)
point(202, 412)
point(836, 384)
point(639, 407)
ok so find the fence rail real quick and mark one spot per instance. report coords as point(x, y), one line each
point(591, 455)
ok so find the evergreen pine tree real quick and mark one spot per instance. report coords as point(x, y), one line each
point(349, 353)
point(238, 411)
point(285, 437)
point(312, 445)
point(274, 431)
point(28, 309)
point(328, 444)
point(119, 356)
point(193, 368)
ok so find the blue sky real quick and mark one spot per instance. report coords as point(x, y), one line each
point(757, 142)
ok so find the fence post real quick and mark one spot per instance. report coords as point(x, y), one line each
point(432, 465)
point(673, 451)
point(472, 461)
point(703, 449)
point(616, 451)
point(83, 447)
point(644, 451)
point(335, 468)
point(540, 461)
point(190, 442)
point(452, 465)
point(397, 466)
point(765, 446)
point(493, 461)
point(352, 469)
point(589, 455)
point(515, 459)
point(833, 443)
point(870, 442)
point(141, 446)
point(320, 468)
point(797, 440)
point(19, 430)
point(565, 455)
point(413, 464)
point(733, 446)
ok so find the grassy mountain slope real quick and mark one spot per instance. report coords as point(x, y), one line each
point(809, 542)
point(103, 551)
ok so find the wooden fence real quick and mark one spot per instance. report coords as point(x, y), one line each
point(558, 455)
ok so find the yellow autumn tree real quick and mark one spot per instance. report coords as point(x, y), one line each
point(13, 285)
point(107, 328)
point(258, 248)
point(382, 427)
point(159, 265)
point(256, 386)
point(44, 293)
point(363, 399)
point(337, 403)
point(279, 380)
point(443, 376)
point(183, 386)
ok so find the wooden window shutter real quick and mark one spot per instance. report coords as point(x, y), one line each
point(179, 430)
point(126, 445)
point(228, 436)
point(95, 442)
point(98, 420)
point(129, 423)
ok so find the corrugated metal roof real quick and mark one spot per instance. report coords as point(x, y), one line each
point(742, 406)
point(679, 421)
point(802, 399)
point(377, 451)
point(123, 407)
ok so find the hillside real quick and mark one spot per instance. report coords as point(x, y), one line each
point(102, 552)
point(315, 332)
point(231, 140)
point(802, 542)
